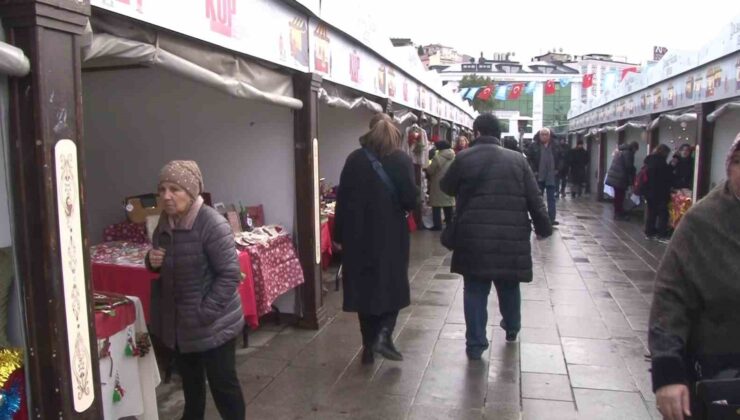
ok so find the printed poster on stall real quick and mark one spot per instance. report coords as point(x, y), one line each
point(265, 29)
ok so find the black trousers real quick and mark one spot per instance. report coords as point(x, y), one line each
point(370, 326)
point(656, 222)
point(219, 366)
point(437, 216)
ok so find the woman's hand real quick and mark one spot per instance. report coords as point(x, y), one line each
point(156, 257)
point(673, 401)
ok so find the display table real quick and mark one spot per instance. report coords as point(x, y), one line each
point(128, 368)
point(118, 267)
point(276, 270)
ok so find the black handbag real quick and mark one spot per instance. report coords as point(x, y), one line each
point(720, 396)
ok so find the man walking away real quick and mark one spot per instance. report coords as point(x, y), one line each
point(620, 176)
point(544, 158)
point(658, 192)
point(496, 194)
point(437, 199)
point(578, 159)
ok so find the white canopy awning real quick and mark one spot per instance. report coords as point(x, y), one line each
point(730, 106)
point(686, 117)
point(12, 61)
point(118, 42)
point(335, 99)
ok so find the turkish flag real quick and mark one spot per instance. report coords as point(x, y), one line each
point(485, 93)
point(550, 87)
point(588, 80)
point(628, 70)
point(516, 91)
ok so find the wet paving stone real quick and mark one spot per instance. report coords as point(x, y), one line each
point(580, 353)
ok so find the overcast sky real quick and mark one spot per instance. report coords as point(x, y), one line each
point(529, 27)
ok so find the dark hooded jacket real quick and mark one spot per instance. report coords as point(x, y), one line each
point(683, 173)
point(496, 194)
point(695, 316)
point(659, 178)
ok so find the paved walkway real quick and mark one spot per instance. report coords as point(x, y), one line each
point(581, 352)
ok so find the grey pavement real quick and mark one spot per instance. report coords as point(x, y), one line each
point(581, 353)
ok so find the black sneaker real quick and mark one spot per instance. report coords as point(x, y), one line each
point(556, 223)
point(368, 357)
point(511, 336)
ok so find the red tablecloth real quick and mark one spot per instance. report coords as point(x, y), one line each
point(276, 270)
point(132, 280)
point(108, 324)
point(326, 248)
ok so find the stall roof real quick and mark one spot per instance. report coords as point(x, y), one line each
point(315, 38)
point(679, 80)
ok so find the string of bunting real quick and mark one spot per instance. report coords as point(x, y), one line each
point(511, 91)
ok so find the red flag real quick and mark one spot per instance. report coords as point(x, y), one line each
point(485, 93)
point(588, 80)
point(516, 91)
point(550, 87)
point(627, 71)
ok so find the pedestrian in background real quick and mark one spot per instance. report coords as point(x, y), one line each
point(563, 167)
point(694, 319)
point(376, 189)
point(196, 309)
point(511, 144)
point(578, 159)
point(657, 192)
point(620, 176)
point(683, 168)
point(544, 158)
point(438, 200)
point(496, 194)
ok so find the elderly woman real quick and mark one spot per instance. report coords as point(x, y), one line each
point(376, 189)
point(695, 322)
point(199, 310)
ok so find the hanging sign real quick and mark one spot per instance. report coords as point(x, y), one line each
point(266, 29)
point(73, 274)
point(715, 81)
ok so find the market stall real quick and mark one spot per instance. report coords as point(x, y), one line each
point(726, 127)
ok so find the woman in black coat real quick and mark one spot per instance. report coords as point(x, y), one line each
point(578, 158)
point(372, 231)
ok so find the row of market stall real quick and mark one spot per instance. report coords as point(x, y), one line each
point(688, 98)
point(268, 98)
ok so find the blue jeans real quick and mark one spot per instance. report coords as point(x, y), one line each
point(551, 192)
point(475, 300)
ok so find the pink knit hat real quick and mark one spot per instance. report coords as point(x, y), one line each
point(184, 173)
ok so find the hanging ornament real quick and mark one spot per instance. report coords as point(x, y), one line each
point(118, 391)
point(131, 349)
point(104, 353)
point(143, 343)
point(10, 401)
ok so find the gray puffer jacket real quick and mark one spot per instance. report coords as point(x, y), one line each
point(622, 170)
point(196, 305)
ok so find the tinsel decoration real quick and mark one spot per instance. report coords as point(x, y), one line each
point(131, 348)
point(10, 361)
point(10, 401)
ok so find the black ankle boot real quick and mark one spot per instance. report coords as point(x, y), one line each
point(368, 357)
point(385, 346)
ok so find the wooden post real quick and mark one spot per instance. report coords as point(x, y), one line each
point(603, 165)
point(50, 241)
point(621, 135)
point(305, 134)
point(653, 136)
point(705, 142)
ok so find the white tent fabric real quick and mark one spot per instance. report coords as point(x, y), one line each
point(402, 117)
point(12, 61)
point(687, 117)
point(121, 43)
point(631, 124)
point(336, 100)
point(730, 106)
